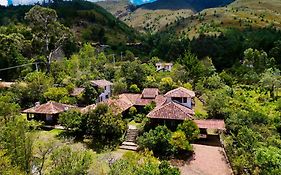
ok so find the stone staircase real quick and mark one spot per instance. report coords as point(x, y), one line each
point(130, 141)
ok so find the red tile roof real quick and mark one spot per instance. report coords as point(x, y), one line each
point(150, 93)
point(88, 108)
point(101, 83)
point(180, 92)
point(210, 124)
point(171, 110)
point(77, 91)
point(49, 108)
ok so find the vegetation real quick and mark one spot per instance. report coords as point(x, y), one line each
point(235, 73)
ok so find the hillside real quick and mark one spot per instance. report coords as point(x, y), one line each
point(89, 21)
point(155, 16)
point(239, 14)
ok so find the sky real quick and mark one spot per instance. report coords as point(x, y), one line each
point(17, 2)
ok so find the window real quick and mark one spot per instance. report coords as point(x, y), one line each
point(184, 100)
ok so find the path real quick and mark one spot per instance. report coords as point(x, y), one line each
point(208, 160)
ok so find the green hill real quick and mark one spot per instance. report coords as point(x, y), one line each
point(240, 14)
point(89, 21)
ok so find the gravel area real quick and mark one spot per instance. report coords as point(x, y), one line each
point(208, 160)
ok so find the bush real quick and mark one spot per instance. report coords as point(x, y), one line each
point(71, 120)
point(190, 130)
point(104, 126)
point(157, 140)
point(180, 143)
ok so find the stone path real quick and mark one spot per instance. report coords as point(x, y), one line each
point(208, 160)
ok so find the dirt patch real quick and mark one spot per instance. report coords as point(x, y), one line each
point(207, 160)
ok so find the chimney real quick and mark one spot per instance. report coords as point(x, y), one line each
point(37, 104)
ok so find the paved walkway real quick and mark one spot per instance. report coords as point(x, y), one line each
point(208, 160)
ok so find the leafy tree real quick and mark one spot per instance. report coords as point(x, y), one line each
point(190, 130)
point(90, 94)
point(119, 87)
point(16, 139)
point(166, 169)
point(257, 59)
point(157, 140)
point(134, 88)
point(66, 160)
point(167, 84)
point(271, 80)
point(8, 107)
point(55, 94)
point(6, 167)
point(129, 56)
point(180, 143)
point(49, 34)
point(71, 120)
point(104, 126)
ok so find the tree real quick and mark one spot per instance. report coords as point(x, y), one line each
point(55, 94)
point(129, 56)
point(157, 140)
point(8, 107)
point(104, 126)
point(16, 139)
point(180, 143)
point(71, 120)
point(134, 88)
point(66, 160)
point(271, 80)
point(6, 167)
point(167, 84)
point(190, 130)
point(166, 169)
point(49, 34)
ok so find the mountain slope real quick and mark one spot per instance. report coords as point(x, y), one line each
point(239, 14)
point(89, 21)
point(195, 5)
point(155, 16)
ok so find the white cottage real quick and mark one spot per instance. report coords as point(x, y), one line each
point(107, 89)
point(164, 66)
point(181, 95)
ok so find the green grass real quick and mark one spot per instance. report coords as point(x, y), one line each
point(199, 108)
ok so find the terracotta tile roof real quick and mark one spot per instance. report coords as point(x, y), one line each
point(77, 91)
point(101, 83)
point(171, 110)
point(150, 93)
point(6, 84)
point(160, 100)
point(210, 124)
point(88, 108)
point(49, 108)
point(180, 92)
point(123, 102)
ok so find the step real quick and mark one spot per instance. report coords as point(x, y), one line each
point(129, 143)
point(132, 148)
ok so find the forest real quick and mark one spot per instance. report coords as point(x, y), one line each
point(47, 52)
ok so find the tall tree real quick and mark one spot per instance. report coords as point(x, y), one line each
point(49, 34)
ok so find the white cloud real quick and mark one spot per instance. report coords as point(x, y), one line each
point(3, 2)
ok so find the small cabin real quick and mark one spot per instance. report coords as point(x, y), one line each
point(164, 66)
point(48, 112)
point(182, 96)
point(107, 89)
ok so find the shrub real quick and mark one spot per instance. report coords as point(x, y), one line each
point(190, 129)
point(71, 120)
point(180, 143)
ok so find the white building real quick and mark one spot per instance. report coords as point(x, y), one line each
point(107, 89)
point(182, 96)
point(164, 66)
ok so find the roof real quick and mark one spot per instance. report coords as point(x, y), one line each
point(6, 84)
point(123, 102)
point(172, 111)
point(210, 124)
point(49, 108)
point(180, 92)
point(101, 83)
point(88, 108)
point(77, 91)
point(150, 92)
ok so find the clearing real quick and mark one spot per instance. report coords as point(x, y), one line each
point(208, 160)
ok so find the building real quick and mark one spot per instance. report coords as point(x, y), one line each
point(106, 86)
point(182, 96)
point(164, 66)
point(48, 112)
